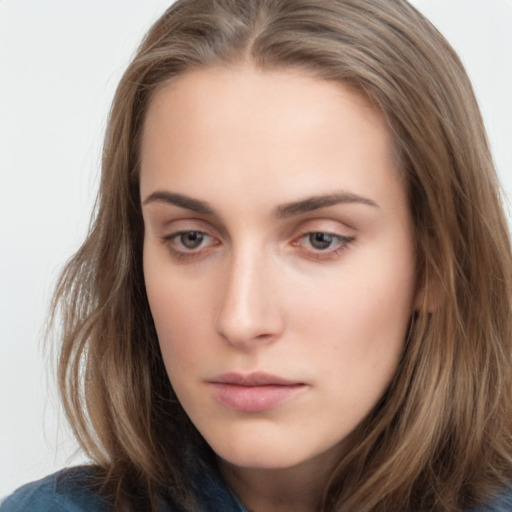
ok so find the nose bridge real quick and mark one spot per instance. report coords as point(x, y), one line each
point(248, 309)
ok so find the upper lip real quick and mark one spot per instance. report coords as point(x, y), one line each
point(252, 379)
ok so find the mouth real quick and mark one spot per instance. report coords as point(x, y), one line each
point(254, 392)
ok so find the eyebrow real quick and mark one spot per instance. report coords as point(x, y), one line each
point(162, 196)
point(299, 207)
point(321, 201)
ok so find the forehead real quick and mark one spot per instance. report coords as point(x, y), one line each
point(224, 94)
point(258, 128)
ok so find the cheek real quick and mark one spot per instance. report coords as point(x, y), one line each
point(356, 324)
point(367, 295)
point(173, 319)
point(180, 311)
point(162, 295)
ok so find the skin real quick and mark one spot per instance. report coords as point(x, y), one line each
point(251, 287)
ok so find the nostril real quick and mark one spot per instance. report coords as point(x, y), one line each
point(263, 337)
point(248, 326)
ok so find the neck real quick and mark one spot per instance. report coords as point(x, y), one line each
point(293, 489)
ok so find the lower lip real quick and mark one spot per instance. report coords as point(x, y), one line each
point(254, 398)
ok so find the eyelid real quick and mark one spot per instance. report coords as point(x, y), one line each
point(325, 225)
point(176, 234)
point(341, 238)
point(332, 219)
point(341, 232)
point(183, 254)
point(171, 223)
point(328, 255)
point(168, 225)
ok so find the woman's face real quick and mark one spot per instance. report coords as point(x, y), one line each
point(278, 259)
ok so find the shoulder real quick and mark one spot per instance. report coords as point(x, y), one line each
point(212, 492)
point(69, 490)
point(72, 490)
point(500, 503)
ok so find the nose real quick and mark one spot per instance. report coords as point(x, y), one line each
point(249, 311)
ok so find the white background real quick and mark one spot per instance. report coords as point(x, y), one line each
point(60, 61)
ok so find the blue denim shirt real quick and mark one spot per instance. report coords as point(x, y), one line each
point(67, 491)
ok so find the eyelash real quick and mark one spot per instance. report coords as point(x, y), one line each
point(183, 254)
point(342, 243)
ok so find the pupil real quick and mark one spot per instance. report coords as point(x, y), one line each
point(320, 240)
point(191, 240)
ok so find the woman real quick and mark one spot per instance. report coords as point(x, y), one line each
point(295, 294)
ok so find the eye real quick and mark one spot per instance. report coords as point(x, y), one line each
point(322, 241)
point(191, 239)
point(322, 244)
point(185, 245)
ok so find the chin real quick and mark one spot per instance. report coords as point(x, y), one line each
point(265, 461)
point(260, 452)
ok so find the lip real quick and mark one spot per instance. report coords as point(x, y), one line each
point(254, 392)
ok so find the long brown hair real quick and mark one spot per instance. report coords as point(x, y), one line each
point(440, 438)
